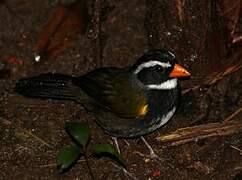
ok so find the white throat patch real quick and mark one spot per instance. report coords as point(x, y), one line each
point(151, 64)
point(169, 84)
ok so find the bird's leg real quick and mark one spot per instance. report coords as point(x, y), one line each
point(116, 144)
point(153, 155)
point(127, 173)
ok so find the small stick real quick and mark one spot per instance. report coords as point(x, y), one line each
point(236, 148)
point(115, 140)
point(234, 114)
point(49, 165)
point(217, 78)
point(36, 137)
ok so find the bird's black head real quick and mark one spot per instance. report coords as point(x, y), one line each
point(153, 70)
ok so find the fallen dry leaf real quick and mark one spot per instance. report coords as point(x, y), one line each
point(62, 29)
point(11, 59)
point(180, 5)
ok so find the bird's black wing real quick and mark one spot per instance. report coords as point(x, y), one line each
point(112, 89)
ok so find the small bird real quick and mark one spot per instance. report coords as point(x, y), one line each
point(126, 102)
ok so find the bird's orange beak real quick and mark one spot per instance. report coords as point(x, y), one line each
point(179, 71)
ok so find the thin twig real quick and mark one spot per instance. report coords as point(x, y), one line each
point(237, 168)
point(49, 165)
point(219, 76)
point(139, 153)
point(234, 114)
point(36, 137)
point(236, 149)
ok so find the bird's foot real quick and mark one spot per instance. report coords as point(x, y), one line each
point(152, 154)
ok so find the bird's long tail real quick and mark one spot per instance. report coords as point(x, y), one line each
point(56, 86)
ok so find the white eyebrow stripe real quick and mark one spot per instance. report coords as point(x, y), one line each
point(151, 64)
point(172, 54)
point(169, 84)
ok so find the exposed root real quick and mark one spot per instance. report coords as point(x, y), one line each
point(195, 133)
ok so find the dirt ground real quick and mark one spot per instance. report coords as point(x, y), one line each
point(32, 130)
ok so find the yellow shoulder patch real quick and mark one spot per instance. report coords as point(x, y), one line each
point(143, 110)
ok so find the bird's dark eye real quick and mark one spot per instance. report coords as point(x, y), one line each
point(159, 69)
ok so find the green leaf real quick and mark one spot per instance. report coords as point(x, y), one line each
point(68, 156)
point(108, 150)
point(79, 131)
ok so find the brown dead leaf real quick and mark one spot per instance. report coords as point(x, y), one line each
point(12, 59)
point(62, 29)
point(180, 5)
